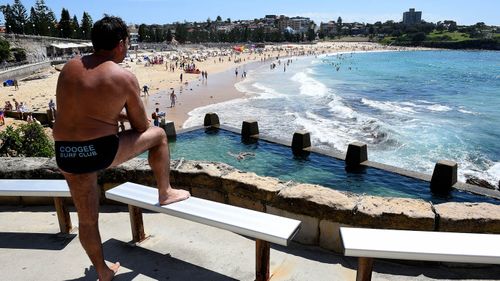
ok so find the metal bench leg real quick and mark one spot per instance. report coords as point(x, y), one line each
point(262, 251)
point(63, 215)
point(136, 223)
point(365, 267)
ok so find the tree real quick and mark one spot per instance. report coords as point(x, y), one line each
point(169, 36)
point(418, 37)
point(75, 26)
point(219, 19)
point(339, 23)
point(20, 16)
point(181, 33)
point(311, 34)
point(86, 26)
point(9, 18)
point(65, 24)
point(4, 50)
point(34, 22)
point(45, 18)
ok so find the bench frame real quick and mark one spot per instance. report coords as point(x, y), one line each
point(63, 216)
point(62, 211)
point(262, 247)
point(368, 244)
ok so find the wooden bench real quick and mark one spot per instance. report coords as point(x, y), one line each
point(58, 189)
point(265, 228)
point(367, 244)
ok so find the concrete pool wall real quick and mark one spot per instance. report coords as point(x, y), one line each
point(322, 210)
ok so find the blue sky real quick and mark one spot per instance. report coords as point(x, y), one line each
point(167, 11)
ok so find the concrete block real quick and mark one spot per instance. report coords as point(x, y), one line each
point(249, 128)
point(357, 152)
point(169, 128)
point(301, 140)
point(309, 228)
point(444, 177)
point(329, 236)
point(211, 119)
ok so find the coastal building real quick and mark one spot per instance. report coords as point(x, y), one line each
point(412, 17)
point(297, 24)
point(270, 19)
point(329, 28)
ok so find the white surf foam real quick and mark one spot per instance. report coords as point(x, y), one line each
point(309, 86)
point(438, 107)
point(389, 107)
point(264, 92)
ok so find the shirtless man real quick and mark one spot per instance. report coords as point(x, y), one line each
point(86, 136)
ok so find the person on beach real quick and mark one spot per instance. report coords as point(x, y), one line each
point(156, 115)
point(29, 118)
point(173, 98)
point(8, 106)
point(52, 109)
point(86, 136)
point(181, 77)
point(145, 89)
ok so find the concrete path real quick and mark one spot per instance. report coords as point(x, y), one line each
point(181, 250)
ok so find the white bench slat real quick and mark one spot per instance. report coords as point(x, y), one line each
point(251, 223)
point(421, 245)
point(25, 187)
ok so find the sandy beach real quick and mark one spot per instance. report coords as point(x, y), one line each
point(193, 91)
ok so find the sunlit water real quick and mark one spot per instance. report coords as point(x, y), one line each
point(411, 108)
point(270, 159)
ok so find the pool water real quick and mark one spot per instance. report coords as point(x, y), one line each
point(270, 159)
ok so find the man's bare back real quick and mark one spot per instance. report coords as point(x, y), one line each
point(93, 95)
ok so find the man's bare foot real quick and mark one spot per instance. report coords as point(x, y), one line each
point(173, 195)
point(110, 274)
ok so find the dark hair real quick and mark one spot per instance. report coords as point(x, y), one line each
point(107, 33)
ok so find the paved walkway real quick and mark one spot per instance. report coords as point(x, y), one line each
point(181, 250)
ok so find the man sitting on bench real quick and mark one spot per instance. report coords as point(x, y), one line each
point(91, 93)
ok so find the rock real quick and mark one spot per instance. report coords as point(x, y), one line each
point(394, 213)
point(250, 185)
point(479, 182)
point(468, 217)
point(316, 201)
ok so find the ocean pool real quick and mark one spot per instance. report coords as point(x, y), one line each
point(275, 160)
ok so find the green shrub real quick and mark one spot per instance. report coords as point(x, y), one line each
point(19, 54)
point(27, 140)
point(4, 50)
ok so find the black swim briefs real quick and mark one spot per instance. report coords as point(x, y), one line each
point(80, 157)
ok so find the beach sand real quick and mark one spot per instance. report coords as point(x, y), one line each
point(193, 94)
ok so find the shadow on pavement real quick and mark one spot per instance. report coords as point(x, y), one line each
point(153, 265)
point(34, 241)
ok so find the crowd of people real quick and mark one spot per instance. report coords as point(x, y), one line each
point(24, 112)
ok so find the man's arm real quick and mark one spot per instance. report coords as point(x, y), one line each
point(123, 117)
point(136, 113)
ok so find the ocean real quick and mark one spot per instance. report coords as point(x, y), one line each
point(412, 108)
